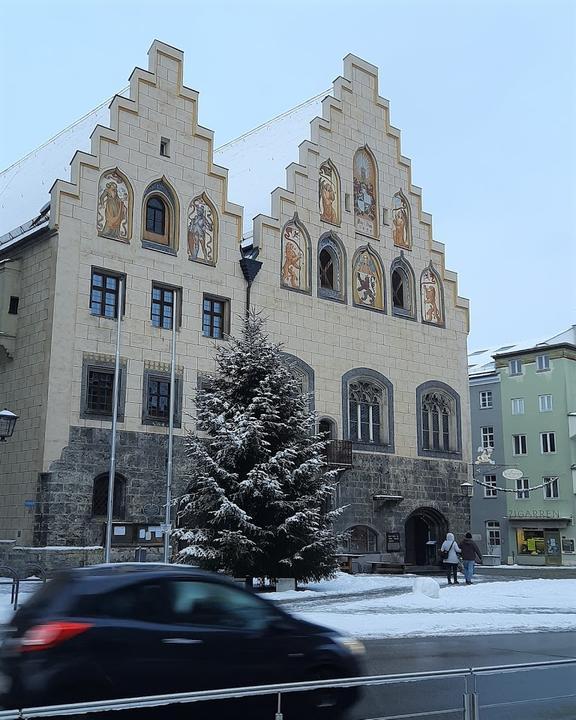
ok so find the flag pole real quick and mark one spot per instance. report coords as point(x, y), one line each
point(167, 519)
point(116, 387)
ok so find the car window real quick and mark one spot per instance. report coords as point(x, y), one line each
point(143, 601)
point(214, 605)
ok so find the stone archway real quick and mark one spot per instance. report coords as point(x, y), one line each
point(422, 526)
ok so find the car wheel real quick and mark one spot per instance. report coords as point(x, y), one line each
point(327, 703)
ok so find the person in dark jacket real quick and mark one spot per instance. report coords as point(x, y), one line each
point(470, 552)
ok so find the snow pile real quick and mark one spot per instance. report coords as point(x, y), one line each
point(345, 584)
point(426, 586)
point(492, 607)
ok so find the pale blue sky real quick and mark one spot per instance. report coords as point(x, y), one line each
point(483, 92)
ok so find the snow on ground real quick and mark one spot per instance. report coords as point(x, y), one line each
point(344, 584)
point(483, 608)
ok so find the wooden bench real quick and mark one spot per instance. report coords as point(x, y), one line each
point(385, 568)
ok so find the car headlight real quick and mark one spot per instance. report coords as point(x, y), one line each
point(351, 644)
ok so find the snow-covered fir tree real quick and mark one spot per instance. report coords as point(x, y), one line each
point(259, 499)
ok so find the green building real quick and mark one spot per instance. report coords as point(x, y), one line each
point(538, 404)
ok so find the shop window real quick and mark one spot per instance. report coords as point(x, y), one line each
point(530, 542)
point(568, 545)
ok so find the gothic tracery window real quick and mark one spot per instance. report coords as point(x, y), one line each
point(366, 401)
point(439, 426)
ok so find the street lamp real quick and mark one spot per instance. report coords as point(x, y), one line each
point(467, 489)
point(7, 423)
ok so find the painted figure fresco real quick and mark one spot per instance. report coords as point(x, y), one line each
point(114, 206)
point(431, 298)
point(295, 256)
point(367, 279)
point(202, 231)
point(401, 231)
point(365, 204)
point(329, 192)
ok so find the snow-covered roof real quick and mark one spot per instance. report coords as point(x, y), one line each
point(256, 160)
point(481, 361)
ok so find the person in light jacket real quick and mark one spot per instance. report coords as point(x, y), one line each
point(451, 562)
point(470, 552)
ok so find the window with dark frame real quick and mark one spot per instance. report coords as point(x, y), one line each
point(100, 391)
point(214, 312)
point(437, 412)
point(104, 289)
point(155, 216)
point(398, 290)
point(365, 411)
point(162, 310)
point(361, 539)
point(158, 398)
point(326, 269)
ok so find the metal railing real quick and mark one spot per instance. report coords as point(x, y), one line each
point(339, 452)
point(469, 710)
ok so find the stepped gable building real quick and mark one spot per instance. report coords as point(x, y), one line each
point(349, 276)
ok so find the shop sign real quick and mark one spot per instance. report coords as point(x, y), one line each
point(392, 542)
point(541, 514)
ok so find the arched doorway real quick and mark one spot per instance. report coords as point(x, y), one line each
point(424, 531)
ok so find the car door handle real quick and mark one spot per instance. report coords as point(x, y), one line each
point(182, 641)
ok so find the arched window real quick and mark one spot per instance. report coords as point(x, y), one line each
point(114, 206)
point(438, 408)
point(329, 193)
point(331, 268)
point(160, 217)
point(402, 282)
point(295, 271)
point(367, 279)
point(365, 192)
point(432, 296)
point(367, 409)
point(100, 497)
point(304, 374)
point(361, 539)
point(156, 216)
point(327, 427)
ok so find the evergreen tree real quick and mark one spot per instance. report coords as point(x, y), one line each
point(258, 500)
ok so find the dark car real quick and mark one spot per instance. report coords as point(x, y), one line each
point(130, 630)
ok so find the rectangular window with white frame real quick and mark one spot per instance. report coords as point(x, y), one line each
point(542, 363)
point(515, 367)
point(490, 486)
point(522, 491)
point(550, 488)
point(548, 442)
point(517, 406)
point(485, 399)
point(545, 403)
point(519, 446)
point(487, 436)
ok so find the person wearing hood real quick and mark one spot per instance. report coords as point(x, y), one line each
point(470, 552)
point(450, 551)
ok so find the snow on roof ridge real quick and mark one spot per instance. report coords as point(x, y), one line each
point(281, 116)
point(65, 130)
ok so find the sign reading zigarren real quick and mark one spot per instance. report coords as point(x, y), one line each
point(551, 514)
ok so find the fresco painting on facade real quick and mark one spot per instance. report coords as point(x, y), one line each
point(295, 257)
point(329, 194)
point(114, 206)
point(367, 275)
point(365, 189)
point(202, 231)
point(402, 232)
point(431, 298)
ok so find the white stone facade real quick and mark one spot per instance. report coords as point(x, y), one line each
point(57, 333)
